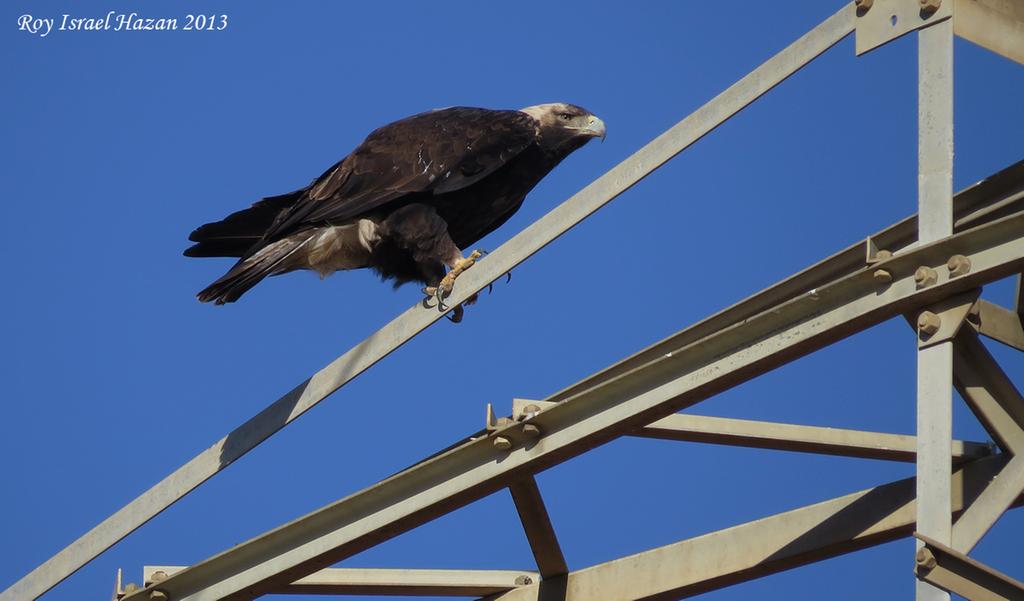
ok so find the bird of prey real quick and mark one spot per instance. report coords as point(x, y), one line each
point(405, 203)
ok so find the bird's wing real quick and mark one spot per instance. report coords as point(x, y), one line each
point(436, 152)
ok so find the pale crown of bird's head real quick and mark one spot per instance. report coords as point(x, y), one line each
point(560, 122)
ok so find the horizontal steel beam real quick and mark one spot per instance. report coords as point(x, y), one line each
point(687, 427)
point(413, 321)
point(805, 439)
point(957, 573)
point(373, 581)
point(675, 380)
point(755, 549)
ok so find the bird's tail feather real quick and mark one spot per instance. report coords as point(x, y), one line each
point(237, 233)
point(270, 260)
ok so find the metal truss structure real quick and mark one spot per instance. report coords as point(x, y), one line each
point(928, 268)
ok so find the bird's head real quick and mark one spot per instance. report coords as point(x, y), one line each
point(565, 126)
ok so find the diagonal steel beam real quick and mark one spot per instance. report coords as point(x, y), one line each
point(993, 198)
point(597, 415)
point(792, 437)
point(537, 524)
point(997, 25)
point(523, 245)
point(1018, 300)
point(953, 571)
point(991, 504)
point(989, 392)
point(755, 549)
point(1002, 325)
point(999, 406)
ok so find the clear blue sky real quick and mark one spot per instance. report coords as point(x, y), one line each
point(118, 144)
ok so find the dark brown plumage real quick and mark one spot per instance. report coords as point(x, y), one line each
point(404, 202)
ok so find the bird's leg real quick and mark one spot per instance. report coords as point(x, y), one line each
point(456, 266)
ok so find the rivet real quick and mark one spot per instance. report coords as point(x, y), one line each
point(502, 444)
point(158, 576)
point(863, 6)
point(882, 276)
point(928, 323)
point(158, 596)
point(523, 580)
point(531, 430)
point(958, 265)
point(130, 588)
point(925, 276)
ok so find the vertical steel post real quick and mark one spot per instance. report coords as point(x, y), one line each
point(935, 221)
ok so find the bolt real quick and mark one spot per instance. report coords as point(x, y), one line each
point(130, 588)
point(958, 265)
point(523, 580)
point(882, 276)
point(925, 559)
point(925, 276)
point(528, 412)
point(158, 596)
point(158, 576)
point(863, 5)
point(531, 431)
point(928, 7)
point(928, 323)
point(502, 444)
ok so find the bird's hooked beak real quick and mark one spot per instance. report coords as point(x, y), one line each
point(595, 128)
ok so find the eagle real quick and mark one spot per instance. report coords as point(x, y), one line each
point(405, 203)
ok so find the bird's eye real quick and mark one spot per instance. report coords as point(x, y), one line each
point(564, 116)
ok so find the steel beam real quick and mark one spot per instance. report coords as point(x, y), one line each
point(993, 198)
point(755, 549)
point(935, 221)
point(1000, 408)
point(671, 382)
point(1005, 487)
point(952, 571)
point(413, 321)
point(997, 25)
point(537, 524)
point(989, 392)
point(804, 439)
point(1018, 300)
point(780, 542)
point(1002, 325)
point(882, 21)
point(399, 582)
